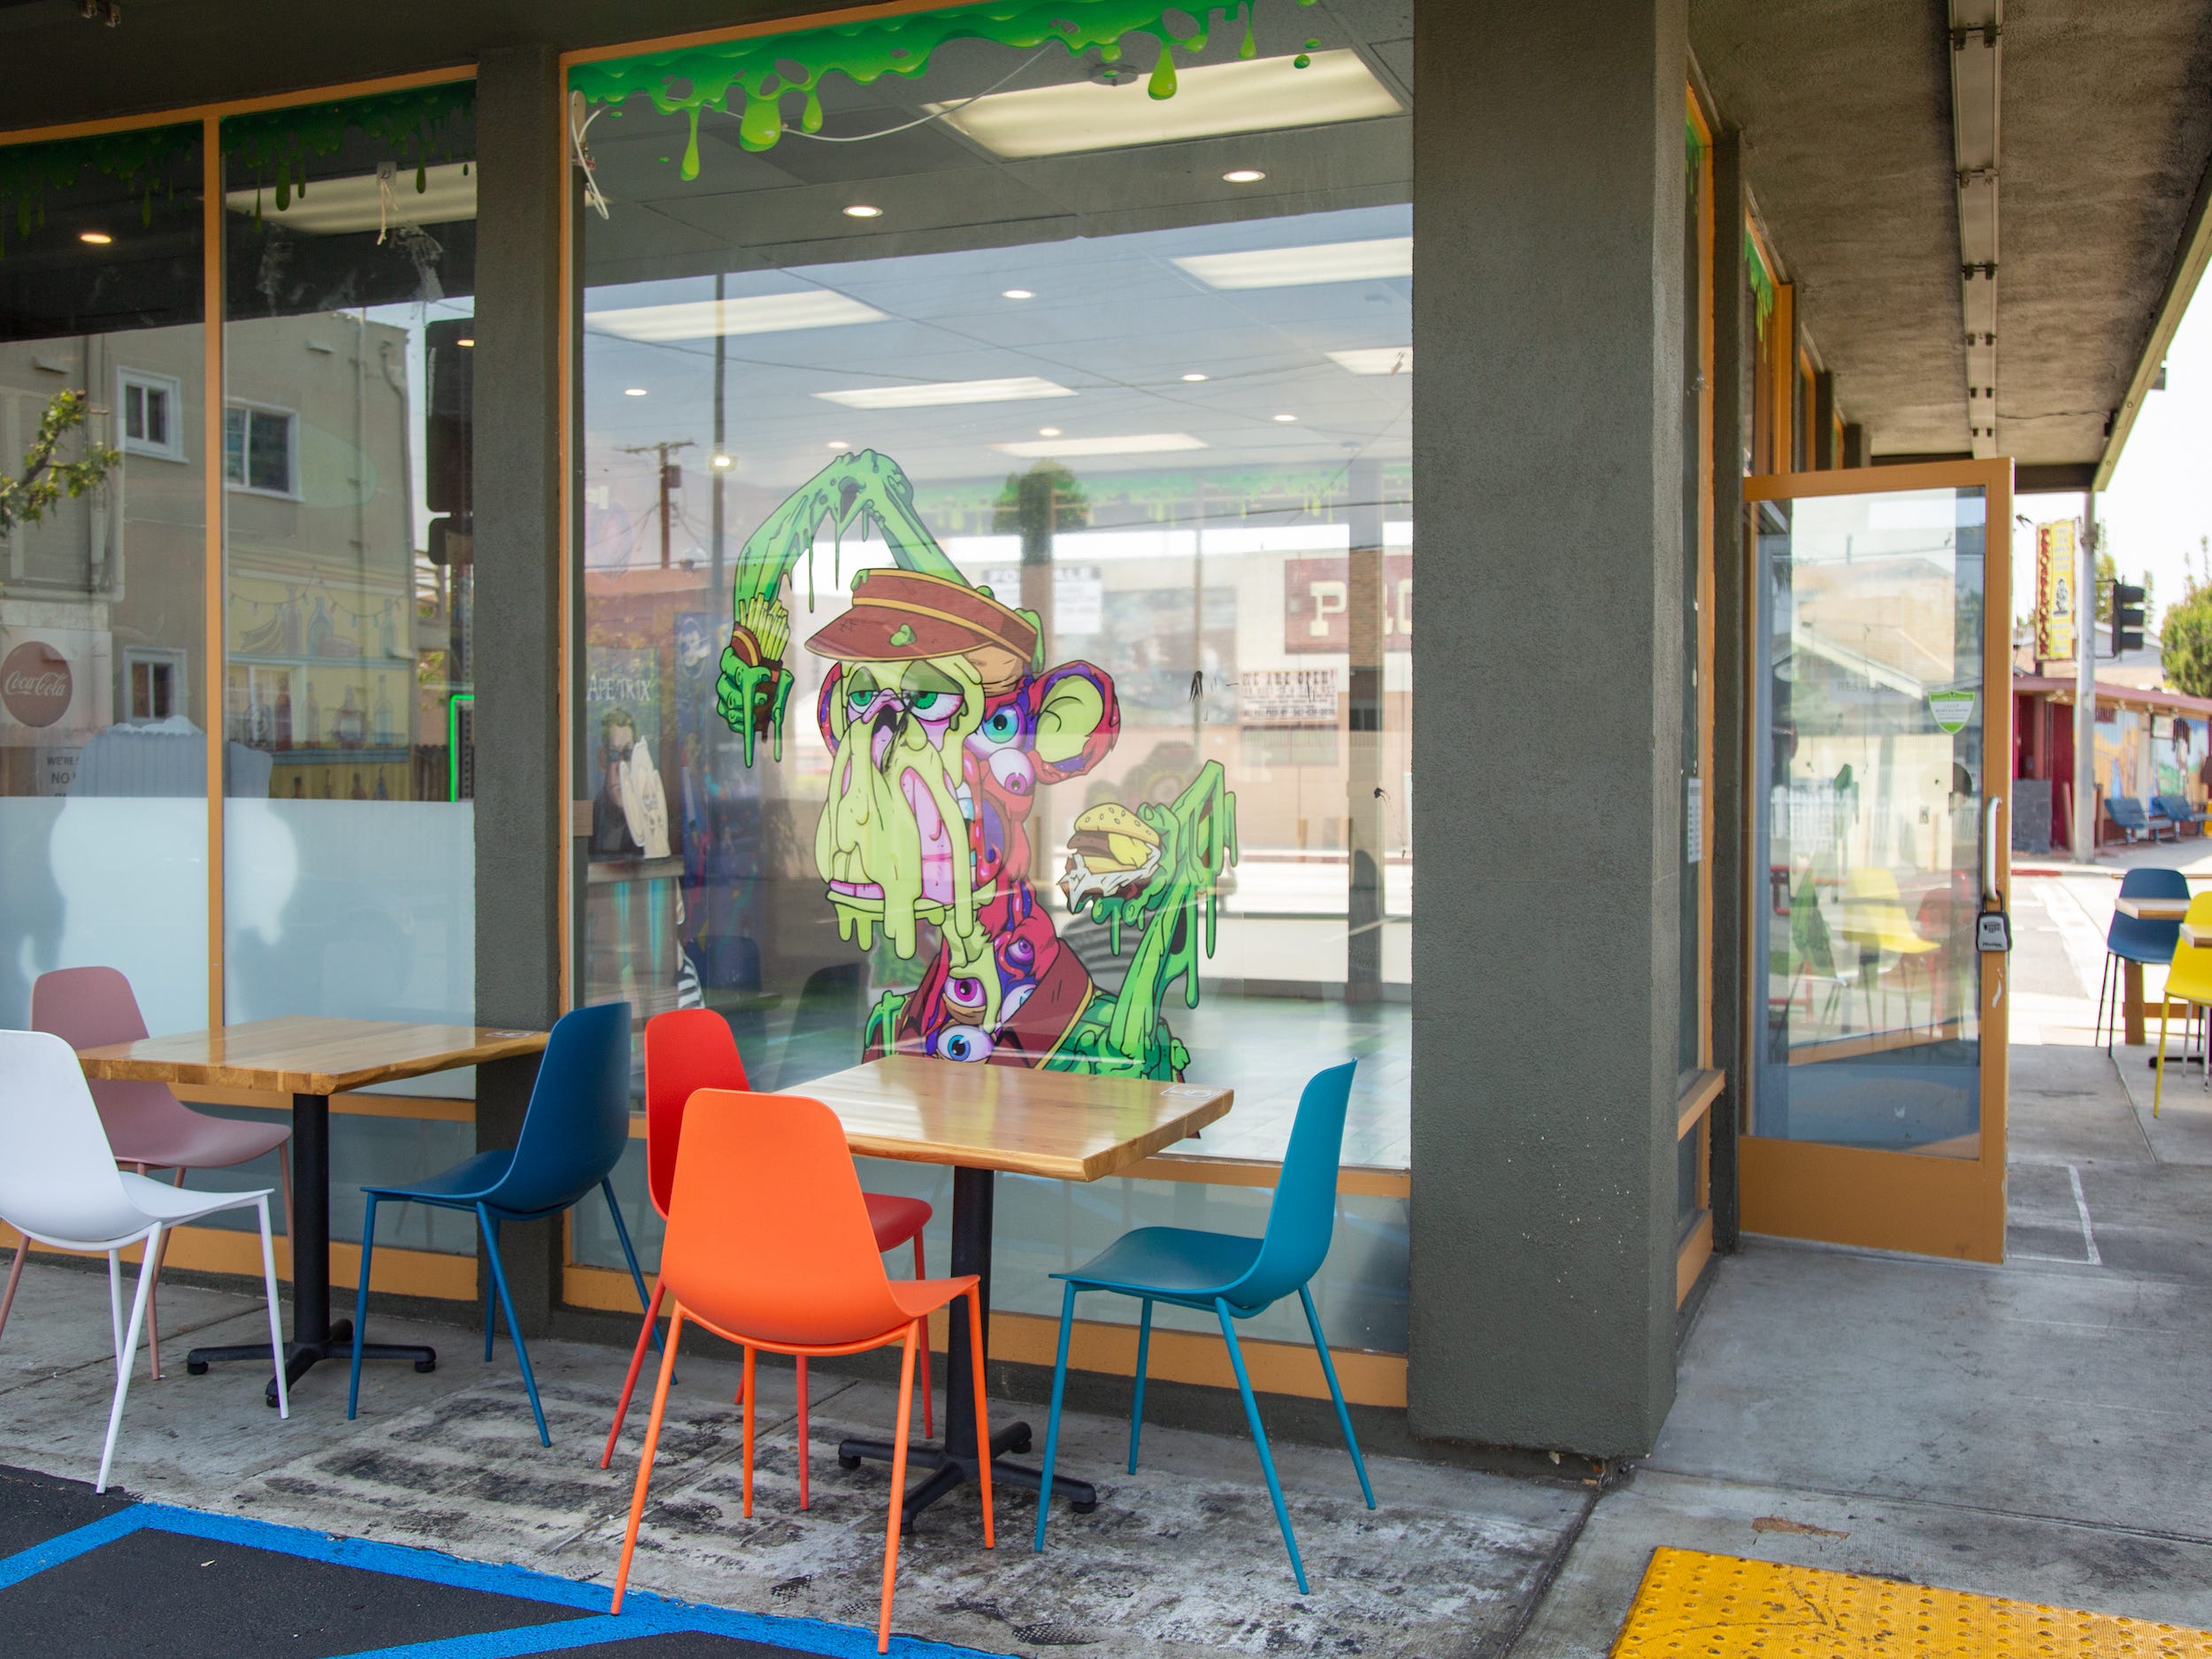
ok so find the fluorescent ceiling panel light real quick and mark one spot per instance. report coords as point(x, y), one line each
point(1260, 94)
point(1290, 267)
point(1135, 443)
point(1375, 360)
point(337, 207)
point(922, 397)
point(751, 314)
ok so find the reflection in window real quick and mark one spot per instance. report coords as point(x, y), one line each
point(350, 841)
point(102, 635)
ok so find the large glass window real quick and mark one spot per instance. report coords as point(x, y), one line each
point(104, 668)
point(350, 254)
point(997, 563)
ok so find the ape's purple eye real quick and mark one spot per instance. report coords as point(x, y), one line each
point(1021, 952)
point(967, 993)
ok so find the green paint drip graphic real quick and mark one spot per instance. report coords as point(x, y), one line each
point(749, 78)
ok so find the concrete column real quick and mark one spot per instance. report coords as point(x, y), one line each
point(518, 810)
point(1854, 444)
point(1547, 435)
point(1824, 420)
point(1735, 328)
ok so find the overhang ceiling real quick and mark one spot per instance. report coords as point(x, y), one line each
point(1845, 108)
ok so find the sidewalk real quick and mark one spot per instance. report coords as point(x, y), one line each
point(2033, 1430)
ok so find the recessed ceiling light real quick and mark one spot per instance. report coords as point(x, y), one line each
point(1243, 176)
point(633, 391)
point(465, 342)
point(861, 209)
point(1135, 443)
point(1289, 267)
point(1047, 432)
point(748, 314)
point(722, 463)
point(1375, 360)
point(1257, 95)
point(932, 392)
point(97, 238)
point(838, 443)
point(1194, 378)
point(1286, 417)
point(1017, 294)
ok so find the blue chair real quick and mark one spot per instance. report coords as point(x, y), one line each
point(1232, 1278)
point(2175, 810)
point(575, 1129)
point(2138, 939)
point(2129, 818)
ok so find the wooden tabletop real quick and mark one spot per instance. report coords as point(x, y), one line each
point(304, 1054)
point(1060, 1125)
point(2154, 909)
point(2195, 935)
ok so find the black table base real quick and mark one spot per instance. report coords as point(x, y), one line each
point(955, 1461)
point(309, 1230)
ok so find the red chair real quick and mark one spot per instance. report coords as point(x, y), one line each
point(147, 1125)
point(685, 1051)
point(771, 1245)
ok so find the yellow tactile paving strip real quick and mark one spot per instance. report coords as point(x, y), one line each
point(1724, 1607)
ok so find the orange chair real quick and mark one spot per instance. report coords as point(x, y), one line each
point(686, 1050)
point(769, 1247)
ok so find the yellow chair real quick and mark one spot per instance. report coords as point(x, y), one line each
point(1875, 920)
point(2189, 977)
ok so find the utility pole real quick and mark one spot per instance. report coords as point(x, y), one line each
point(718, 463)
point(671, 476)
point(2084, 825)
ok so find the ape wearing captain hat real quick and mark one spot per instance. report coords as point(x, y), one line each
point(900, 615)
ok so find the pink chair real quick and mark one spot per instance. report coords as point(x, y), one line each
point(146, 1124)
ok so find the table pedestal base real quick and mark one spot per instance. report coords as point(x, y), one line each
point(300, 1357)
point(955, 1469)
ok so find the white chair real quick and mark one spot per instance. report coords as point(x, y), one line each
point(59, 1184)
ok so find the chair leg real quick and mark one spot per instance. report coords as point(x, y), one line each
point(805, 1498)
point(115, 1309)
point(1259, 1438)
point(2158, 1088)
point(745, 1395)
point(983, 1416)
point(15, 1276)
point(898, 1481)
point(606, 1185)
point(1136, 1404)
point(361, 1304)
point(268, 1286)
point(487, 1305)
point(637, 1363)
point(2103, 980)
point(284, 1181)
point(1328, 1370)
point(514, 1325)
point(127, 1345)
point(153, 1292)
point(1052, 1421)
point(645, 1457)
point(929, 1416)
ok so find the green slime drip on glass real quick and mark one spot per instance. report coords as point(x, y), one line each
point(747, 77)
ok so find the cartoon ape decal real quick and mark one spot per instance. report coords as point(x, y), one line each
point(942, 721)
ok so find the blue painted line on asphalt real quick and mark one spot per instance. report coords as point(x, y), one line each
point(643, 1614)
point(27, 1564)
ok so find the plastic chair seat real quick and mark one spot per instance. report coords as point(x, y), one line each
point(1172, 1263)
point(2155, 952)
point(209, 1143)
point(458, 1187)
point(895, 1220)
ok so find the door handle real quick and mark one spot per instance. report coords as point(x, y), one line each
point(1989, 848)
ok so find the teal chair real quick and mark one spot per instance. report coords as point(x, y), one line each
point(573, 1134)
point(1233, 1277)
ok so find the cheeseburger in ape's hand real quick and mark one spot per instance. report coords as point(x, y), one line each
point(1110, 851)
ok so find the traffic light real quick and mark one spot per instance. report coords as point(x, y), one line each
point(2127, 617)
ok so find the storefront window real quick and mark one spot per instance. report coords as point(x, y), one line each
point(350, 254)
point(997, 566)
point(104, 669)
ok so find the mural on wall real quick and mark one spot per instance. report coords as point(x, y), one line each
point(942, 719)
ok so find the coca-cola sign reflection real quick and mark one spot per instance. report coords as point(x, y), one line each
point(36, 683)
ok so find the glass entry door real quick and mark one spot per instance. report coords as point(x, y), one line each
point(1881, 734)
